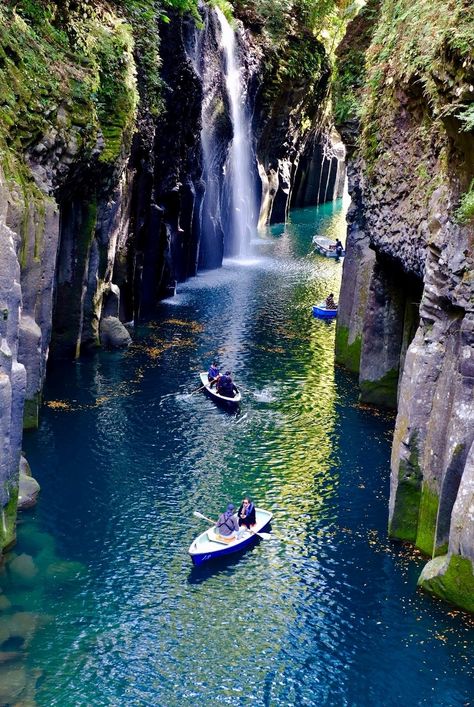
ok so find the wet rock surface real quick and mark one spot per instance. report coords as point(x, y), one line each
point(412, 315)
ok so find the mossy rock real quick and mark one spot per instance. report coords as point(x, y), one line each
point(450, 577)
point(404, 521)
point(426, 530)
point(381, 392)
point(8, 537)
point(348, 354)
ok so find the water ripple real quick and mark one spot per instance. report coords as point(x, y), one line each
point(326, 612)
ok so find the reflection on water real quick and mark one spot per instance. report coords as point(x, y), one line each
point(103, 606)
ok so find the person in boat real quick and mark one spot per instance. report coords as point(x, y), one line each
point(213, 373)
point(246, 513)
point(227, 524)
point(225, 386)
point(339, 248)
point(330, 304)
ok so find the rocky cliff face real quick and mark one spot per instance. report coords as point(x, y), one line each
point(114, 137)
point(406, 320)
point(65, 129)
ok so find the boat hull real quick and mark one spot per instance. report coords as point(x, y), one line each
point(229, 403)
point(203, 551)
point(322, 246)
point(322, 312)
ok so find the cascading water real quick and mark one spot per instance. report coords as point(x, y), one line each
point(238, 169)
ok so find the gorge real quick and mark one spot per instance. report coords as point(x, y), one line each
point(141, 146)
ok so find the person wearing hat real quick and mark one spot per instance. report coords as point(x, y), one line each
point(227, 524)
point(225, 386)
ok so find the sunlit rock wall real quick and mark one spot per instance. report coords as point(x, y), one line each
point(411, 314)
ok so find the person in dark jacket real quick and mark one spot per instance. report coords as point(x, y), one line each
point(246, 513)
point(225, 386)
point(227, 524)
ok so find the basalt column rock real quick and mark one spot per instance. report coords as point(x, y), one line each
point(12, 374)
point(166, 228)
point(414, 190)
point(321, 172)
point(283, 96)
point(390, 321)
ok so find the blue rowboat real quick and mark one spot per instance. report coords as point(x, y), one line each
point(219, 399)
point(210, 545)
point(322, 312)
point(327, 247)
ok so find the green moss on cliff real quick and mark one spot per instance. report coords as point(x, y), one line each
point(404, 522)
point(64, 74)
point(350, 70)
point(348, 354)
point(426, 531)
point(30, 413)
point(418, 47)
point(8, 520)
point(450, 578)
point(381, 392)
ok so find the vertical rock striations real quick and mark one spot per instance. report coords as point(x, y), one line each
point(68, 111)
point(12, 373)
point(412, 316)
point(114, 168)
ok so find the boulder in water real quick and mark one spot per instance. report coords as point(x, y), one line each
point(12, 683)
point(27, 492)
point(113, 334)
point(5, 603)
point(22, 569)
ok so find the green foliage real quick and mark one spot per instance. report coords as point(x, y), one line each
point(417, 47)
point(225, 7)
point(284, 18)
point(349, 76)
point(143, 16)
point(74, 55)
point(466, 116)
point(416, 41)
point(465, 212)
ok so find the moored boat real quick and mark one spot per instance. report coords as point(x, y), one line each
point(209, 545)
point(322, 312)
point(325, 246)
point(220, 399)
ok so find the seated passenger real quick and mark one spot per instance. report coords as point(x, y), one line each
point(330, 304)
point(247, 513)
point(227, 524)
point(213, 373)
point(225, 386)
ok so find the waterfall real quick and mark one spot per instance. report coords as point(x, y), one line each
point(243, 217)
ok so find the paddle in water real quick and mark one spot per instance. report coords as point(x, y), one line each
point(264, 536)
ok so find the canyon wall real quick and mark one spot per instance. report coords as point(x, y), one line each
point(406, 322)
point(114, 141)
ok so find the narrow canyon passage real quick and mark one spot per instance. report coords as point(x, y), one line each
point(326, 612)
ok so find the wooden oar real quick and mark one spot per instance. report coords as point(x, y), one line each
point(197, 390)
point(264, 536)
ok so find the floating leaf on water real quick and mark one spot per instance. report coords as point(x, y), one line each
point(58, 405)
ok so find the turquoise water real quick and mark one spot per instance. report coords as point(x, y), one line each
point(102, 602)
